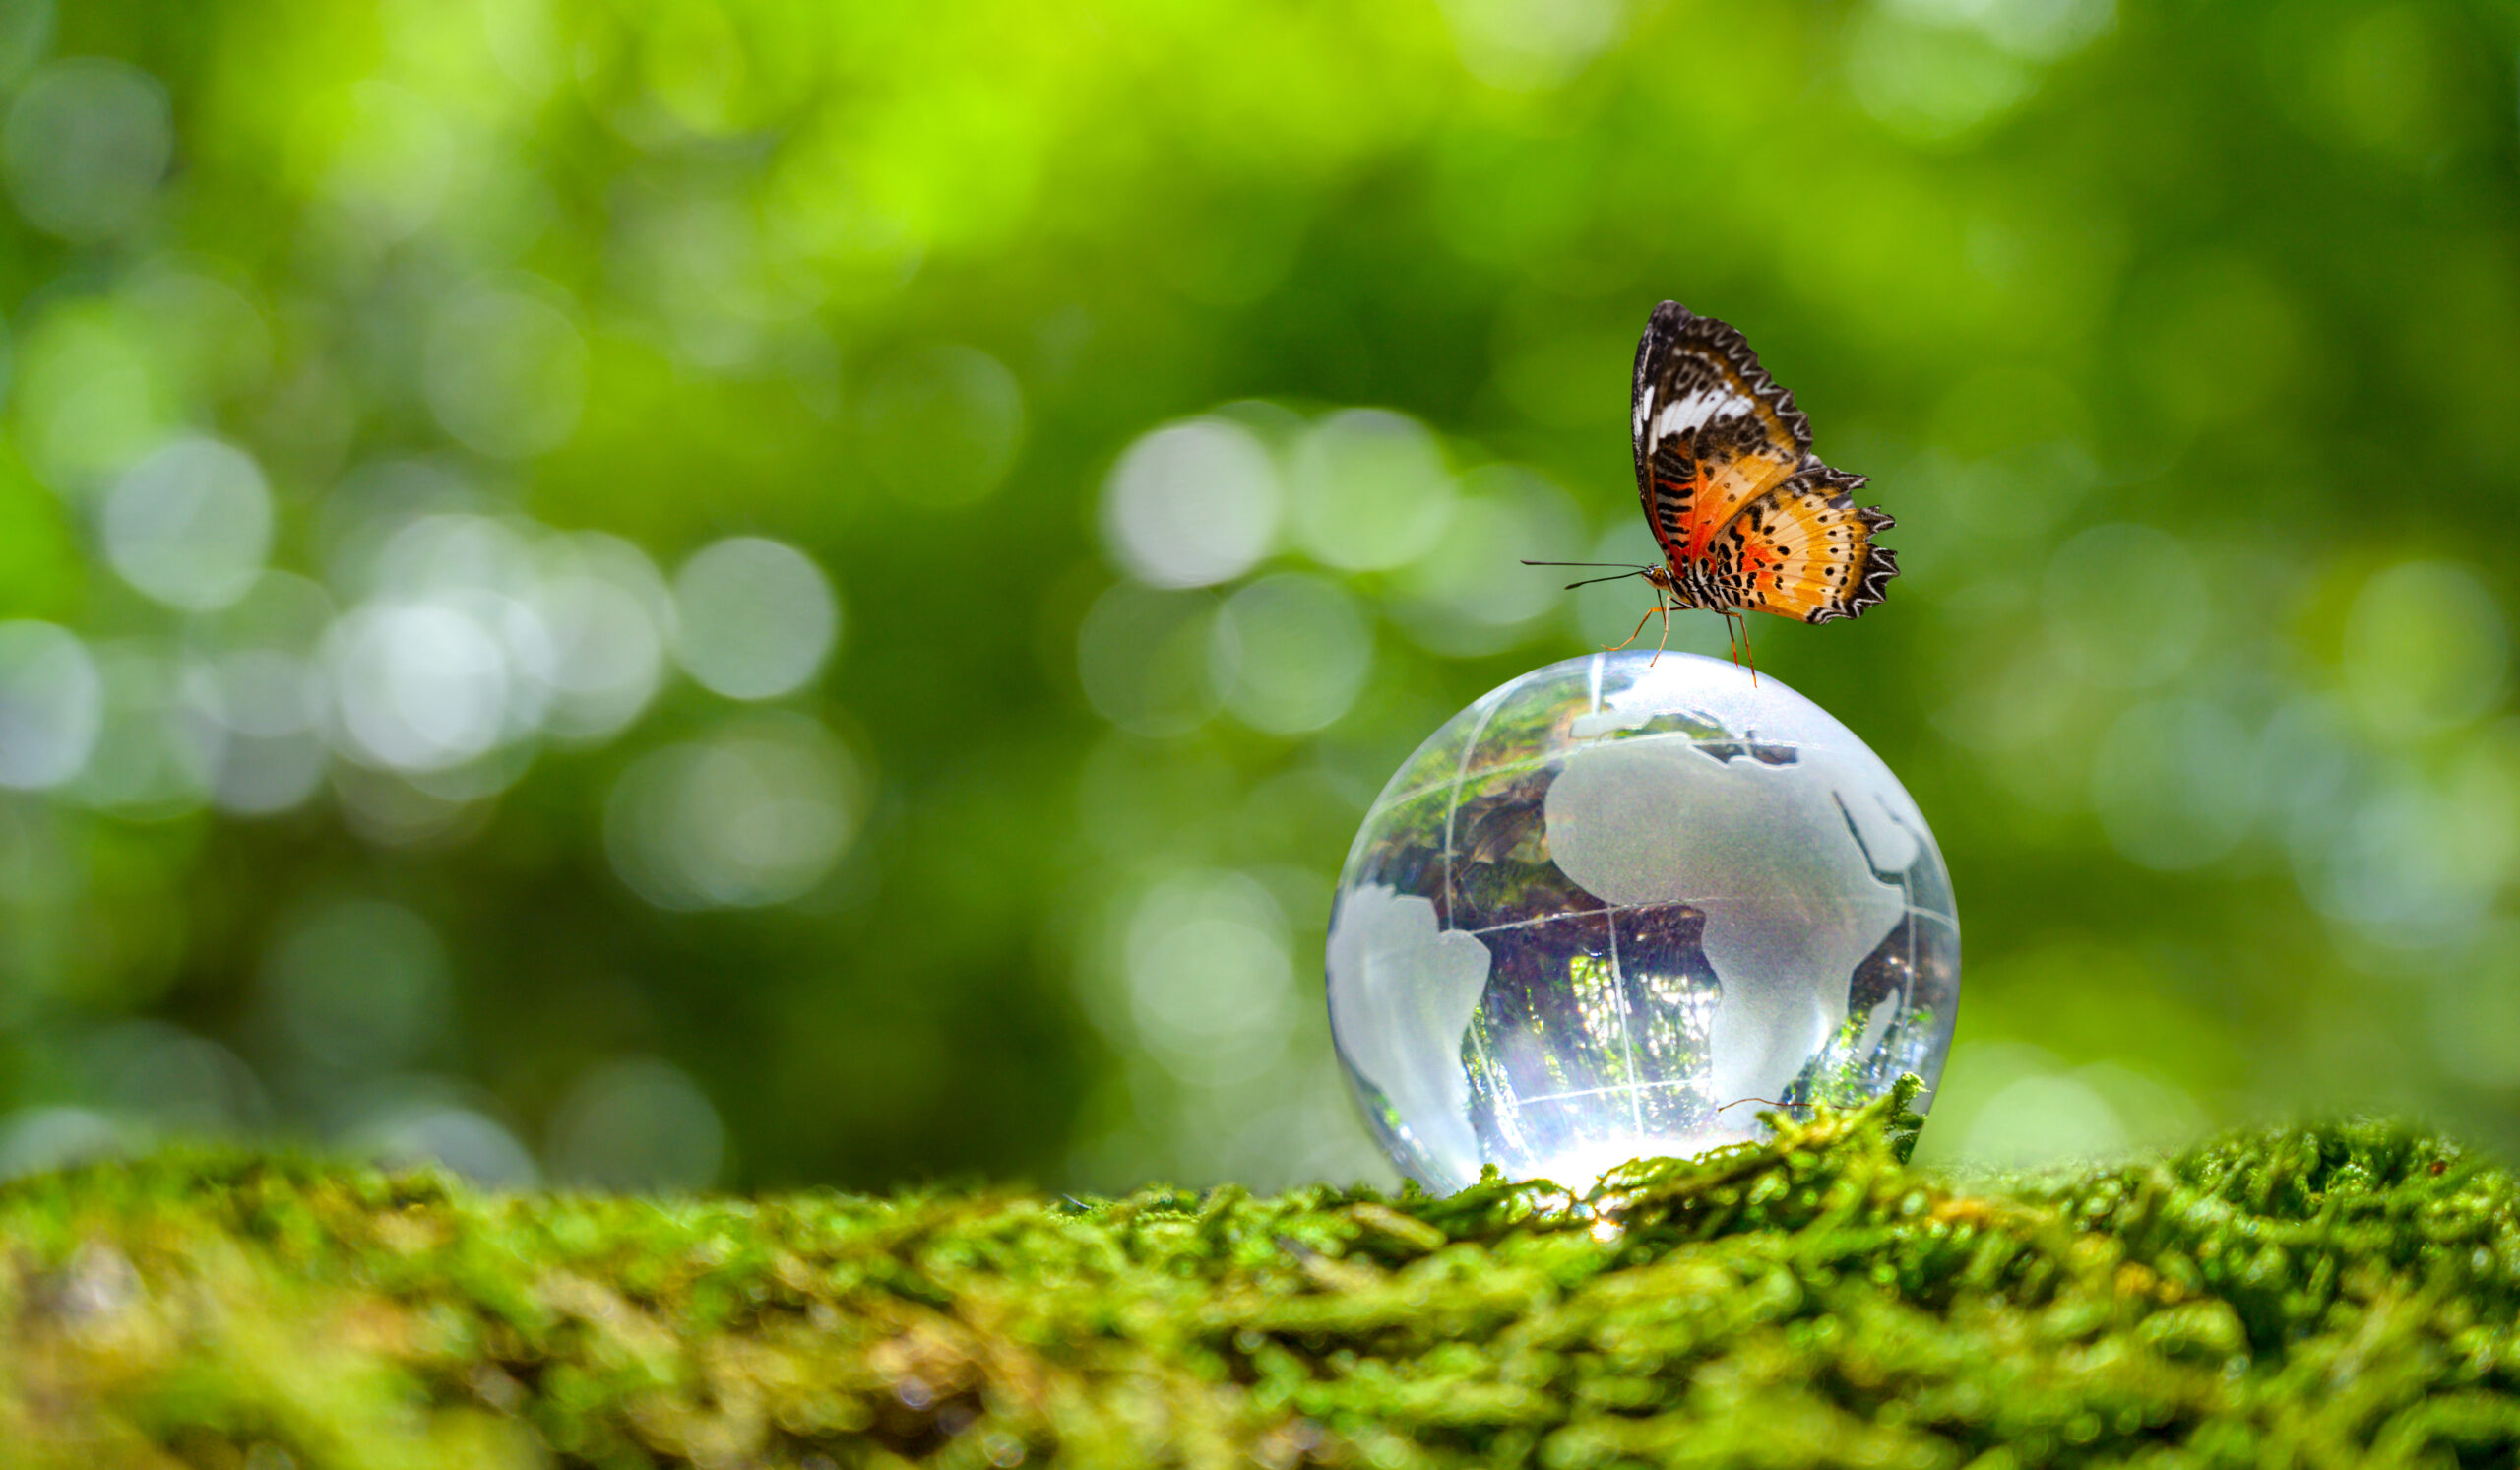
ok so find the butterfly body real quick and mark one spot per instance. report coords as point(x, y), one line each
point(1748, 518)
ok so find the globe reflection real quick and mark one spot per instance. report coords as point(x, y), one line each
point(1615, 899)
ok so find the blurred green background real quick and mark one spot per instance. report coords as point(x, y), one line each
point(745, 592)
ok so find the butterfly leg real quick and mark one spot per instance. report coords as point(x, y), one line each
point(1612, 648)
point(1665, 608)
point(1747, 656)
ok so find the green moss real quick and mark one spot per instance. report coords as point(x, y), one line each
point(2324, 1295)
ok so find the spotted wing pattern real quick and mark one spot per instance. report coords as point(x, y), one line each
point(1802, 551)
point(1716, 437)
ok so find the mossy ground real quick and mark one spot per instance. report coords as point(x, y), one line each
point(2329, 1296)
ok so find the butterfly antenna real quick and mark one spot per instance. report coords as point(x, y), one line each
point(1613, 577)
point(1630, 566)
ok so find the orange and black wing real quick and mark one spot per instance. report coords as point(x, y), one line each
point(1748, 518)
point(1713, 432)
point(1803, 550)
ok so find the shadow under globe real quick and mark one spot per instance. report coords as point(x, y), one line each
point(1617, 899)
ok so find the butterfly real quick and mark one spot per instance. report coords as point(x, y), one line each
point(1750, 519)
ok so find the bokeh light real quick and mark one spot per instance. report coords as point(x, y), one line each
point(85, 145)
point(190, 525)
point(1192, 504)
point(420, 685)
point(2425, 646)
point(156, 751)
point(88, 396)
point(1455, 599)
point(942, 425)
point(506, 369)
point(395, 159)
point(32, 1139)
point(635, 1124)
point(51, 704)
point(755, 619)
point(2040, 30)
point(1928, 81)
point(357, 985)
point(757, 814)
point(163, 1080)
point(265, 703)
point(1292, 653)
point(1370, 491)
point(603, 612)
point(2017, 1104)
point(1150, 662)
point(1211, 982)
point(402, 1123)
point(1525, 45)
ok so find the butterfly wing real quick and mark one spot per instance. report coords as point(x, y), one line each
point(1747, 516)
point(1713, 432)
point(1803, 550)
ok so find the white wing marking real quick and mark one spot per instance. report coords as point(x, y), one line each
point(1698, 409)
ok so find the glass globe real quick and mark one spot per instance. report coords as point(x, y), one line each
point(1623, 905)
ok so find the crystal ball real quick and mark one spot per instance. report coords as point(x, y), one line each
point(1623, 905)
